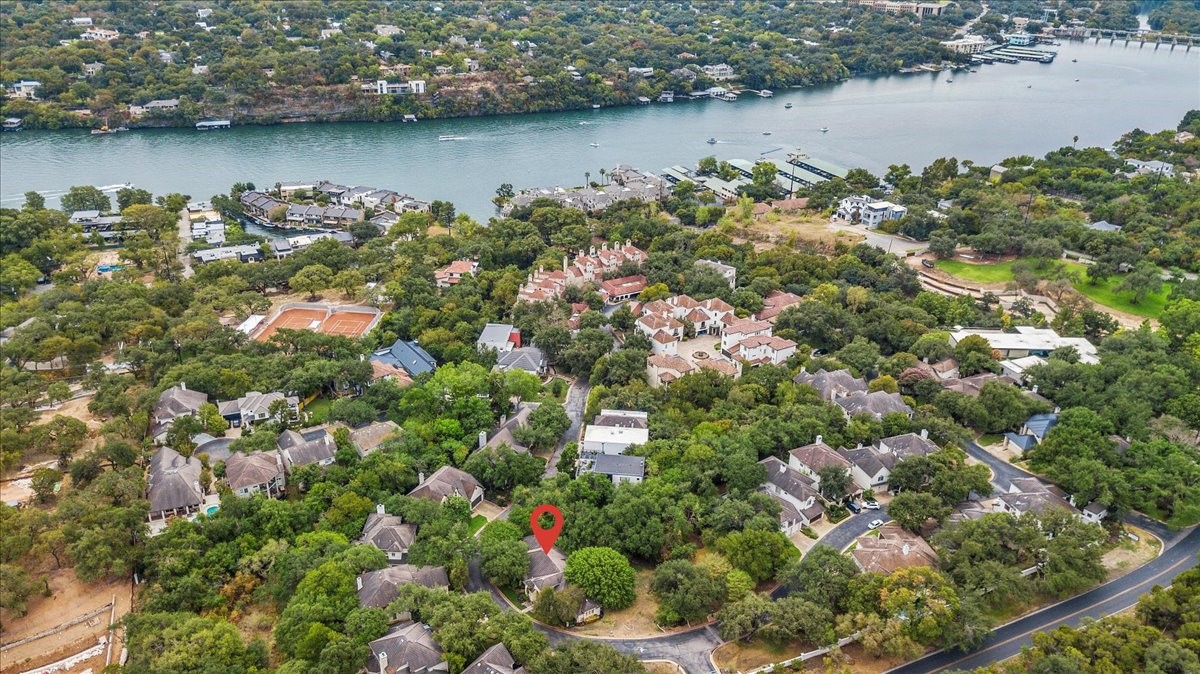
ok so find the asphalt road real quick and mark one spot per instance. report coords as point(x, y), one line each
point(846, 532)
point(689, 649)
point(575, 405)
point(1008, 640)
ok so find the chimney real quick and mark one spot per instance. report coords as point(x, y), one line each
point(183, 385)
point(421, 477)
point(482, 439)
point(1035, 388)
point(820, 439)
point(906, 549)
point(1057, 409)
point(925, 433)
point(383, 663)
point(379, 509)
point(358, 580)
point(859, 446)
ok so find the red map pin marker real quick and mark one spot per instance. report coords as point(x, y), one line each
point(546, 537)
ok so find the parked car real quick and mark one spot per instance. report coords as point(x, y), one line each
point(871, 505)
point(853, 507)
point(927, 263)
point(875, 524)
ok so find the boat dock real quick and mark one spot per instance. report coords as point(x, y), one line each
point(1024, 54)
point(13, 124)
point(212, 125)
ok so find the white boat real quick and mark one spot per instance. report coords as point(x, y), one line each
point(949, 80)
point(788, 106)
point(824, 129)
point(595, 106)
point(766, 133)
point(595, 144)
point(712, 141)
point(452, 137)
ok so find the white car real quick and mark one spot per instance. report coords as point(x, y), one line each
point(871, 505)
point(875, 524)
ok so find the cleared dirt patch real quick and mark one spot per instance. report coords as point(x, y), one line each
point(70, 600)
point(662, 667)
point(1129, 555)
point(635, 621)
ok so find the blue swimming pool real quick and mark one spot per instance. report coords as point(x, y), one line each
point(212, 510)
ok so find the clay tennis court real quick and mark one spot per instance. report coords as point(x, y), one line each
point(347, 323)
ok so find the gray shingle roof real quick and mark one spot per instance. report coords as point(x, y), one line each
point(832, 384)
point(303, 449)
point(617, 464)
point(876, 404)
point(409, 649)
point(528, 358)
point(388, 533)
point(248, 470)
point(447, 481)
point(174, 482)
point(495, 660)
point(377, 589)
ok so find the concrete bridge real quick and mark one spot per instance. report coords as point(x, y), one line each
point(1141, 37)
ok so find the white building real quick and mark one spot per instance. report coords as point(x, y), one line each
point(614, 431)
point(26, 89)
point(384, 87)
point(741, 330)
point(99, 35)
point(719, 72)
point(499, 337)
point(877, 212)
point(1028, 341)
point(971, 44)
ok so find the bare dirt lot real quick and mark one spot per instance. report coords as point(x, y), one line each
point(70, 600)
point(635, 621)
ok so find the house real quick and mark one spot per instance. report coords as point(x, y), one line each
point(644, 72)
point(499, 337)
point(174, 402)
point(527, 358)
point(306, 448)
point(1031, 495)
point(619, 468)
point(81, 21)
point(589, 267)
point(810, 459)
point(664, 332)
point(449, 481)
point(99, 35)
point(495, 660)
point(408, 648)
point(93, 68)
point(173, 485)
point(26, 89)
point(893, 549)
point(1032, 433)
point(507, 426)
point(719, 72)
point(255, 406)
point(870, 469)
point(740, 330)
point(869, 211)
point(774, 304)
point(618, 290)
point(204, 12)
point(796, 493)
point(367, 439)
point(763, 350)
point(1146, 168)
point(259, 473)
point(1103, 226)
point(1028, 341)
point(1015, 368)
point(710, 317)
point(162, 105)
point(727, 272)
point(388, 533)
point(875, 404)
point(406, 355)
point(452, 273)
point(908, 445)
point(614, 431)
point(545, 569)
point(832, 384)
point(974, 384)
point(387, 30)
point(970, 44)
point(921, 9)
point(662, 369)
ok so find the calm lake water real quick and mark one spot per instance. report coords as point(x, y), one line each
point(1000, 111)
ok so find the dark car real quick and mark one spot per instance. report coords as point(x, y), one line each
point(853, 507)
point(927, 263)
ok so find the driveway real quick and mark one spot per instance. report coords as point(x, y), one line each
point(846, 532)
point(575, 405)
point(892, 244)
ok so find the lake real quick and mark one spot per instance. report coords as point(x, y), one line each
point(1002, 110)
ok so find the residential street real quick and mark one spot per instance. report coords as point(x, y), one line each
point(575, 405)
point(690, 649)
point(1007, 641)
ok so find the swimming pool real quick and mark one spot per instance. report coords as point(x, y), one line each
point(211, 510)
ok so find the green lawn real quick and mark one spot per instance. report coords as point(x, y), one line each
point(477, 523)
point(999, 272)
point(318, 411)
point(1104, 294)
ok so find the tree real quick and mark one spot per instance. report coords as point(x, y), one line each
point(128, 196)
point(861, 179)
point(34, 201)
point(686, 593)
point(544, 427)
point(179, 435)
point(500, 469)
point(349, 281)
point(943, 243)
point(505, 558)
point(311, 279)
point(706, 166)
point(822, 576)
point(758, 552)
point(604, 575)
point(911, 509)
point(1142, 281)
point(85, 198)
point(43, 483)
point(210, 416)
point(586, 656)
point(17, 275)
point(557, 607)
point(15, 588)
point(834, 482)
point(443, 212)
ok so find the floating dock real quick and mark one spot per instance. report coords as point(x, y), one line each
point(213, 124)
